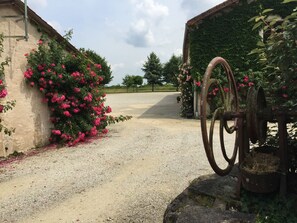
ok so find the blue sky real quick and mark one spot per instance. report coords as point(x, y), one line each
point(125, 32)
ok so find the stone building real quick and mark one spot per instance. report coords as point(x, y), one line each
point(22, 28)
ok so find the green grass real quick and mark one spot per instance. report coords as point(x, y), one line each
point(141, 89)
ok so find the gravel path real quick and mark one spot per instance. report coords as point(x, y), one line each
point(129, 176)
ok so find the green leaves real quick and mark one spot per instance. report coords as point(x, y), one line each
point(288, 1)
point(152, 69)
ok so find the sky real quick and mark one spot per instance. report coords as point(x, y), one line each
point(124, 32)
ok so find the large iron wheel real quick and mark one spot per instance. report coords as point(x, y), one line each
point(228, 97)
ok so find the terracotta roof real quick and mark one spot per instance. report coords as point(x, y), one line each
point(197, 19)
point(34, 18)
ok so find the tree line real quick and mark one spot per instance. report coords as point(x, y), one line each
point(155, 72)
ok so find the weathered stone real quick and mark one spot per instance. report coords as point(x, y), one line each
point(207, 200)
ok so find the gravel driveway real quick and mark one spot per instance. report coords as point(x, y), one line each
point(129, 176)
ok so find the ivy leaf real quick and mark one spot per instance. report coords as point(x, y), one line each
point(257, 25)
point(269, 10)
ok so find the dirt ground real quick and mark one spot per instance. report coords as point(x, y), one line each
point(129, 176)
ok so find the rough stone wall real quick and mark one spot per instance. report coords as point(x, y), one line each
point(30, 116)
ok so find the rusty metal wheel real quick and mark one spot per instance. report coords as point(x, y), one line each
point(256, 125)
point(223, 113)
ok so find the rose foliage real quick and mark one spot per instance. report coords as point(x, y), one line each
point(4, 107)
point(71, 86)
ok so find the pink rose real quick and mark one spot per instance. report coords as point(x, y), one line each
point(56, 132)
point(67, 113)
point(76, 110)
point(3, 93)
point(97, 121)
point(108, 110)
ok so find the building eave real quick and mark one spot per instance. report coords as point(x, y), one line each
point(34, 18)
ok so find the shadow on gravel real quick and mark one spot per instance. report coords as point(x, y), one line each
point(166, 108)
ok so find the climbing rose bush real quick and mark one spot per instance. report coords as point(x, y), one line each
point(186, 86)
point(71, 87)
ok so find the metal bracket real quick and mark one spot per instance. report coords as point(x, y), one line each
point(19, 18)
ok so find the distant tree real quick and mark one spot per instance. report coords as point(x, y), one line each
point(171, 70)
point(132, 81)
point(152, 69)
point(106, 72)
point(128, 81)
point(138, 80)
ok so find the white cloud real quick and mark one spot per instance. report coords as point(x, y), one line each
point(148, 15)
point(117, 66)
point(151, 9)
point(140, 34)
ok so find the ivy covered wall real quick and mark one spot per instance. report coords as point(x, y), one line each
point(230, 36)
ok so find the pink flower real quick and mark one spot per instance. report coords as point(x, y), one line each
point(89, 97)
point(98, 110)
point(81, 136)
point(198, 83)
point(97, 121)
point(250, 84)
point(104, 131)
point(40, 42)
point(63, 66)
point(53, 65)
point(28, 73)
point(76, 90)
point(285, 96)
point(64, 106)
point(76, 110)
point(93, 131)
point(32, 84)
point(26, 54)
point(98, 66)
point(226, 89)
point(67, 113)
point(62, 98)
point(100, 79)
point(56, 132)
point(245, 79)
point(108, 110)
point(93, 74)
point(75, 74)
point(41, 89)
point(40, 67)
point(3, 93)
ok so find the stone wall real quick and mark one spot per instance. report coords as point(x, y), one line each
point(30, 116)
